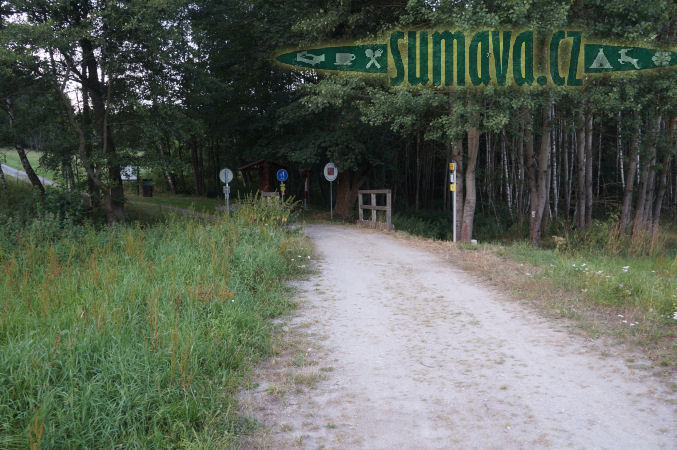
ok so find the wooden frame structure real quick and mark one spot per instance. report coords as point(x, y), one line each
point(388, 225)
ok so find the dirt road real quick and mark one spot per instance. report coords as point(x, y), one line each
point(402, 350)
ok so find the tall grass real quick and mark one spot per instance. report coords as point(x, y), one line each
point(136, 336)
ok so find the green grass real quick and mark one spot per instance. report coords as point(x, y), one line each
point(10, 158)
point(196, 203)
point(138, 335)
point(643, 283)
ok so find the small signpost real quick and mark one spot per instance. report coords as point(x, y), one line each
point(330, 174)
point(282, 176)
point(226, 176)
point(452, 188)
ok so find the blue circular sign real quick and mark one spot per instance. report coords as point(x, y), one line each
point(282, 175)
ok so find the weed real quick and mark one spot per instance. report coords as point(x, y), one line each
point(136, 336)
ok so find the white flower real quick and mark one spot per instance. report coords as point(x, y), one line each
point(528, 274)
point(620, 315)
point(661, 59)
point(624, 321)
point(309, 257)
point(633, 324)
point(599, 272)
point(583, 265)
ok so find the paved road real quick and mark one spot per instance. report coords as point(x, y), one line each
point(21, 175)
point(413, 353)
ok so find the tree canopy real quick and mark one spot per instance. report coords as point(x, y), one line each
point(183, 89)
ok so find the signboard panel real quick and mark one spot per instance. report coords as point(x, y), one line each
point(226, 175)
point(330, 172)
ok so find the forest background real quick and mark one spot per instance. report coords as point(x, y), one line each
point(184, 88)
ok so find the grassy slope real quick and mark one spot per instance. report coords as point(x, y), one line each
point(10, 158)
point(139, 335)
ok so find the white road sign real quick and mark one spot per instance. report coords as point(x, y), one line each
point(330, 172)
point(226, 175)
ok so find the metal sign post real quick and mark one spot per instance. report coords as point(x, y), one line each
point(226, 176)
point(282, 176)
point(330, 174)
point(452, 188)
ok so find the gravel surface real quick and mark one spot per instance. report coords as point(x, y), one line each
point(392, 347)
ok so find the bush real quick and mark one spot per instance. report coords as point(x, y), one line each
point(63, 205)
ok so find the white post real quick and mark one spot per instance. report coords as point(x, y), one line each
point(454, 197)
point(452, 181)
point(226, 191)
point(331, 200)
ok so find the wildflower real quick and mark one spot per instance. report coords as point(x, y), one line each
point(628, 291)
point(624, 321)
point(625, 268)
point(584, 290)
point(528, 274)
point(620, 315)
point(599, 272)
point(583, 265)
point(308, 256)
point(633, 324)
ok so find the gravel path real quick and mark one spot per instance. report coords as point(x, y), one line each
point(410, 352)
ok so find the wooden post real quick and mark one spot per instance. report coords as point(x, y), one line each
point(373, 211)
point(375, 208)
point(389, 222)
point(360, 205)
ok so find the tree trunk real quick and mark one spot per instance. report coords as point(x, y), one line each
point(470, 191)
point(348, 183)
point(532, 178)
point(2, 179)
point(504, 156)
point(619, 147)
point(644, 202)
point(580, 166)
point(417, 190)
point(665, 170)
point(626, 211)
point(539, 178)
point(588, 170)
point(32, 177)
point(115, 194)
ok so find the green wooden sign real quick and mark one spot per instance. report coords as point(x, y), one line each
point(489, 57)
